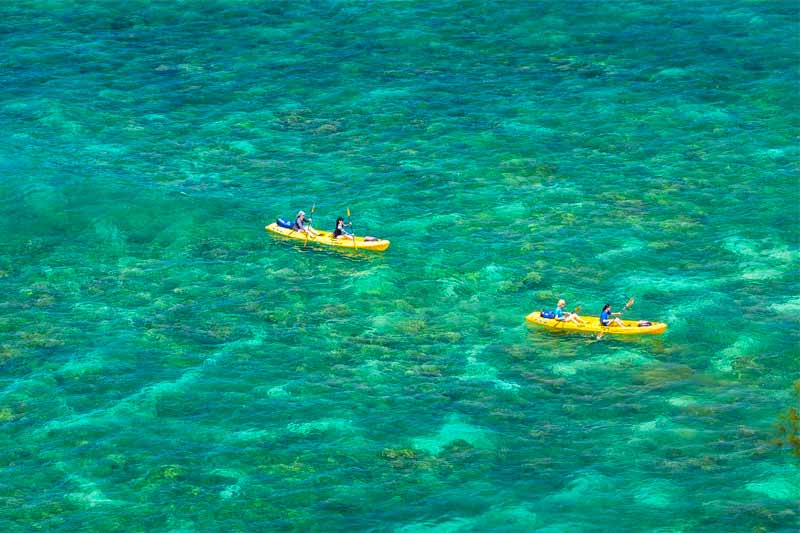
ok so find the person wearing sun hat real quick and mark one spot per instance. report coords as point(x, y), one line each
point(303, 224)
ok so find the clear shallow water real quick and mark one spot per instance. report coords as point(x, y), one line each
point(166, 365)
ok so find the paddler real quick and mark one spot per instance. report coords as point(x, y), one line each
point(340, 232)
point(561, 316)
point(607, 318)
point(303, 224)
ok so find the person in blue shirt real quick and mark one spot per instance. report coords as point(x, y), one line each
point(561, 316)
point(607, 318)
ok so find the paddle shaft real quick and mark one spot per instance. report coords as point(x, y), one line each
point(313, 207)
point(350, 222)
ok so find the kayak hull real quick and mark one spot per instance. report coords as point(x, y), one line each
point(326, 238)
point(592, 325)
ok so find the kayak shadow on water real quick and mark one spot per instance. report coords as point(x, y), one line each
point(325, 251)
point(540, 336)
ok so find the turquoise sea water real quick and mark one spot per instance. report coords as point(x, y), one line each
point(166, 365)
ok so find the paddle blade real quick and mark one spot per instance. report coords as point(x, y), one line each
point(577, 309)
point(630, 303)
point(348, 212)
point(313, 207)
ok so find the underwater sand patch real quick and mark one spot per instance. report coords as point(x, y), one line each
point(779, 487)
point(454, 429)
point(321, 425)
point(479, 371)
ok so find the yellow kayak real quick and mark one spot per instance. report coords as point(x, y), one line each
point(592, 325)
point(326, 238)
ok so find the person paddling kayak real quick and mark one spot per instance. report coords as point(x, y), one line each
point(340, 232)
point(607, 318)
point(566, 317)
point(303, 224)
